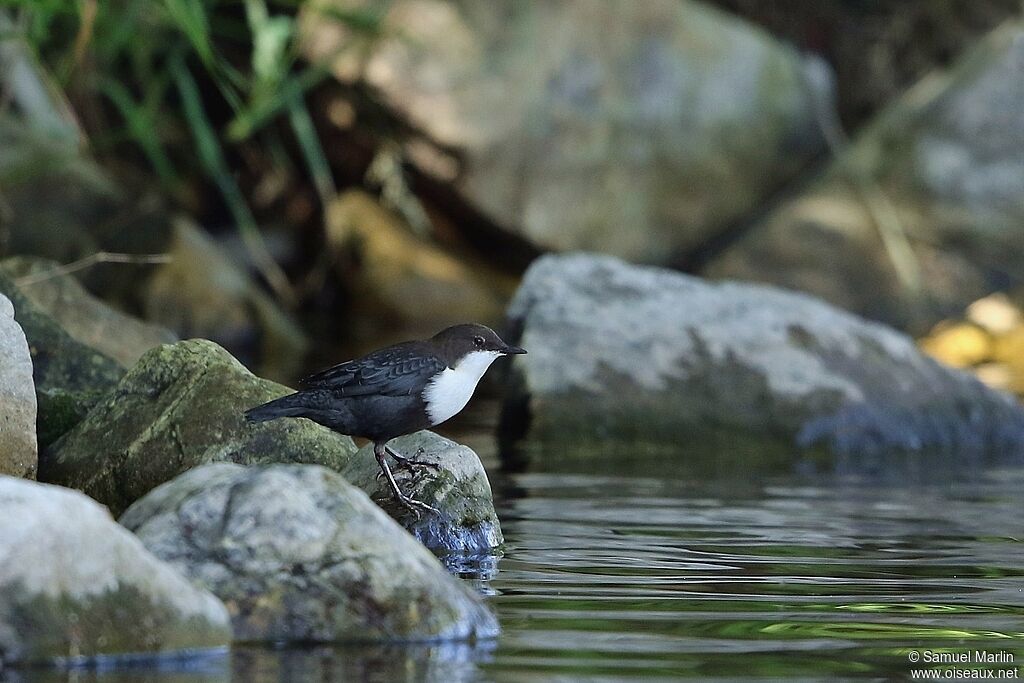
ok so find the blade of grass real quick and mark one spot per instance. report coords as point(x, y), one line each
point(141, 127)
point(190, 18)
point(252, 118)
point(212, 158)
point(312, 152)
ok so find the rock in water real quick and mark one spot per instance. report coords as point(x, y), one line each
point(947, 160)
point(181, 406)
point(18, 448)
point(638, 128)
point(458, 488)
point(622, 353)
point(75, 586)
point(300, 555)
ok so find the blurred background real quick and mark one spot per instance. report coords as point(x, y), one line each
point(302, 181)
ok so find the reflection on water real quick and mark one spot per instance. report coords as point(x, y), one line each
point(611, 576)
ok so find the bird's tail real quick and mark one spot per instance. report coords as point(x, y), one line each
point(292, 405)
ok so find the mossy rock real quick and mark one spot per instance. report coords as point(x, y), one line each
point(181, 406)
point(457, 487)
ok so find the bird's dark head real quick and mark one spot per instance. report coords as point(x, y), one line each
point(459, 341)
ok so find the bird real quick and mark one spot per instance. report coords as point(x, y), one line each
point(394, 391)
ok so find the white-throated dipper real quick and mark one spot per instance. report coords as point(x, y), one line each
point(394, 391)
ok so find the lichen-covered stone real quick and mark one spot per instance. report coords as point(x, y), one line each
point(75, 586)
point(636, 128)
point(458, 488)
point(60, 363)
point(941, 167)
point(18, 446)
point(300, 555)
point(83, 316)
point(627, 353)
point(181, 406)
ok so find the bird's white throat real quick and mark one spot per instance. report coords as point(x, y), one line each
point(450, 391)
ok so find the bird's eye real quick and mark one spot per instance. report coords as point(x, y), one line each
point(479, 341)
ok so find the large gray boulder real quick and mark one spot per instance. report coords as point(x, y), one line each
point(181, 406)
point(298, 554)
point(621, 353)
point(74, 585)
point(943, 169)
point(636, 128)
point(457, 486)
point(18, 447)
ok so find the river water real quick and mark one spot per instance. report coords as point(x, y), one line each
point(639, 569)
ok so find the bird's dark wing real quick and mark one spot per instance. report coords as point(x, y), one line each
point(395, 371)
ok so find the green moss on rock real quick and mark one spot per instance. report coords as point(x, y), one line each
point(181, 406)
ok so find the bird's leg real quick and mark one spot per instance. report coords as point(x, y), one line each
point(416, 506)
point(408, 463)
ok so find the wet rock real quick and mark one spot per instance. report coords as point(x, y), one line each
point(642, 355)
point(181, 406)
point(298, 554)
point(400, 280)
point(86, 318)
point(637, 128)
point(18, 448)
point(458, 488)
point(75, 586)
point(69, 376)
point(201, 292)
point(943, 167)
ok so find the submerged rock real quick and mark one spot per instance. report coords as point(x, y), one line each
point(69, 376)
point(458, 488)
point(18, 447)
point(300, 555)
point(83, 316)
point(637, 354)
point(942, 167)
point(181, 406)
point(75, 586)
point(637, 128)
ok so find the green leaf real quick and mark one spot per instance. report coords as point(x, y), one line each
point(190, 18)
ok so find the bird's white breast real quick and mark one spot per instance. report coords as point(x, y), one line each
point(450, 391)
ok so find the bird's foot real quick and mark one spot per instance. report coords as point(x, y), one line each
point(415, 506)
point(411, 464)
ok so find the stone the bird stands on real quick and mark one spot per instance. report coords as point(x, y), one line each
point(395, 391)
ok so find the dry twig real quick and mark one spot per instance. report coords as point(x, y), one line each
point(89, 261)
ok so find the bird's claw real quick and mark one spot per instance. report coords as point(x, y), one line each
point(412, 465)
point(417, 506)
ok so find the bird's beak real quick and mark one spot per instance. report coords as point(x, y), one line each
point(513, 350)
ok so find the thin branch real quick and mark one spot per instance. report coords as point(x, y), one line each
point(89, 261)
